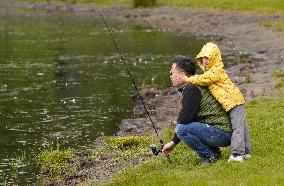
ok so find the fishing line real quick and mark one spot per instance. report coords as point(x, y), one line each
point(129, 74)
point(153, 147)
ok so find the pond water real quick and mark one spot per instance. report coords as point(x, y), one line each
point(61, 80)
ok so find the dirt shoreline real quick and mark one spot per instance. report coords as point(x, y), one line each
point(235, 32)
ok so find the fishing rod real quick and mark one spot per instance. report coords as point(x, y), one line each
point(154, 148)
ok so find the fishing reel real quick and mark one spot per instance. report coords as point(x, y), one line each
point(155, 149)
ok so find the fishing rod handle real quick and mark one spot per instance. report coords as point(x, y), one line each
point(169, 160)
point(168, 156)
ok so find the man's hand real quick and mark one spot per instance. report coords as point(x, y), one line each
point(181, 78)
point(168, 148)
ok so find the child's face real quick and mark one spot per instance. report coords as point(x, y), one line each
point(205, 61)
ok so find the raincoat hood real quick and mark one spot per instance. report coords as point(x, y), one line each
point(216, 79)
point(212, 52)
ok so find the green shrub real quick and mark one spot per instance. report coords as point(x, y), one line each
point(144, 3)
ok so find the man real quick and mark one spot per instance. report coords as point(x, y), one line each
point(203, 125)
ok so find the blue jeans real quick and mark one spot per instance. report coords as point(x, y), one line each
point(202, 138)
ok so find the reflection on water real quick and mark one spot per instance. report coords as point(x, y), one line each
point(61, 81)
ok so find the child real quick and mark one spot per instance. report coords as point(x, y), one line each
point(227, 94)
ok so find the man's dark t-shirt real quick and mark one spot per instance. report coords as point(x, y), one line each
point(190, 104)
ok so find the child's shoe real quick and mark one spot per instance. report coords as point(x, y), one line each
point(247, 156)
point(235, 158)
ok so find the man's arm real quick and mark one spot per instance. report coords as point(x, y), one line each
point(190, 105)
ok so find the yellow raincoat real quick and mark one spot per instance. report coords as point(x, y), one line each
point(215, 77)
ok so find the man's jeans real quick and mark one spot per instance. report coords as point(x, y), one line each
point(202, 138)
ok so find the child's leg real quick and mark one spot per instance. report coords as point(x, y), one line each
point(238, 125)
point(247, 140)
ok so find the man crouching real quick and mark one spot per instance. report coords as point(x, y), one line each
point(202, 124)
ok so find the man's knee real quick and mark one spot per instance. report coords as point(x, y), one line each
point(194, 125)
point(194, 128)
point(180, 130)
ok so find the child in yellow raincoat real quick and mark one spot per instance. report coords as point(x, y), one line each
point(227, 94)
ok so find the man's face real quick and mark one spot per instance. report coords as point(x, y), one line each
point(174, 74)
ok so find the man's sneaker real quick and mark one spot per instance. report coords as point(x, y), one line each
point(204, 162)
point(216, 156)
point(236, 158)
point(212, 159)
point(247, 156)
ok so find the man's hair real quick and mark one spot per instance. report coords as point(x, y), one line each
point(185, 63)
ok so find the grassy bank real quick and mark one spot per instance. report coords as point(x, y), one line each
point(61, 167)
point(266, 167)
point(272, 6)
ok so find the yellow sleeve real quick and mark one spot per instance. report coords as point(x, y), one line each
point(209, 77)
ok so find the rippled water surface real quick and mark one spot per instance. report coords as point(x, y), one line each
point(61, 81)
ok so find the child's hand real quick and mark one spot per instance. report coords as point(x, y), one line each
point(181, 78)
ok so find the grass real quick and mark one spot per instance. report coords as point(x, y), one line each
point(123, 148)
point(266, 123)
point(54, 162)
point(280, 84)
point(3, 178)
point(124, 143)
point(272, 6)
point(275, 25)
point(248, 79)
point(268, 6)
point(278, 73)
point(144, 3)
